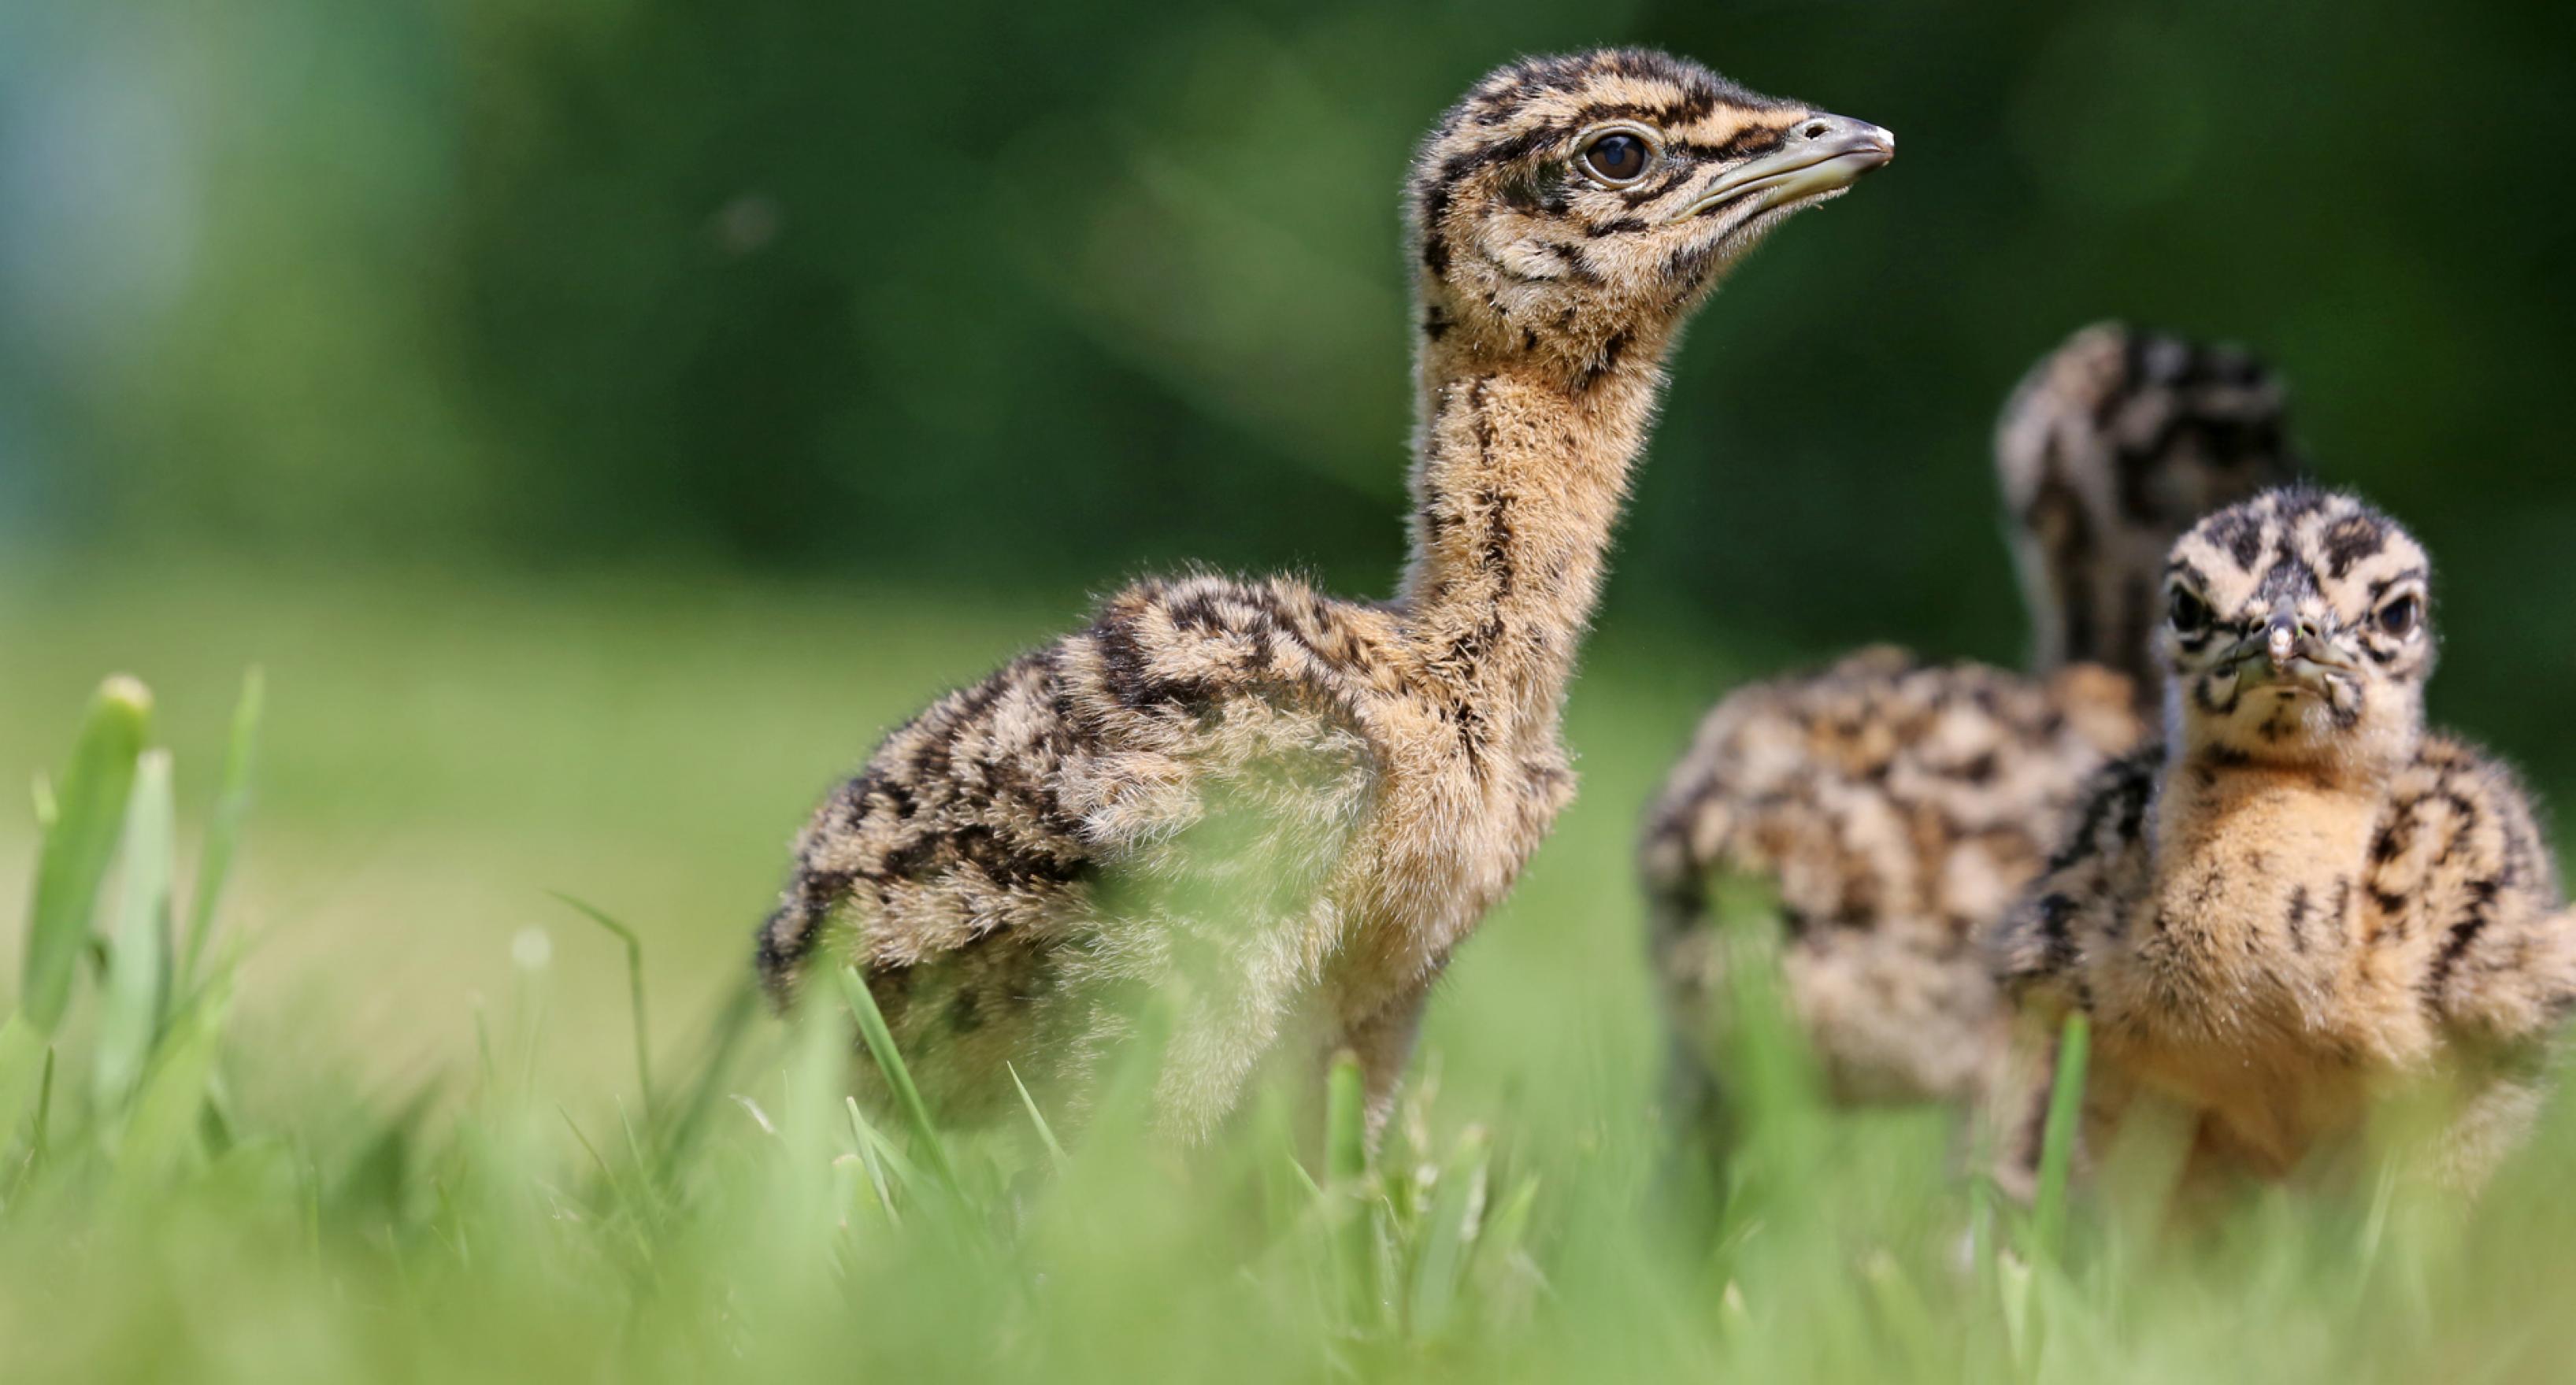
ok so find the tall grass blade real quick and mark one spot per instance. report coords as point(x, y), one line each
point(25, 1054)
point(89, 814)
point(1909, 1323)
point(2057, 1146)
point(223, 828)
point(1772, 1078)
point(1457, 1214)
point(880, 1041)
point(34, 1164)
point(634, 992)
point(134, 995)
point(1346, 1191)
point(1507, 1229)
point(724, 1038)
point(874, 1155)
point(1345, 1124)
point(901, 1171)
point(161, 1128)
point(43, 1135)
point(1046, 1133)
point(373, 1187)
point(617, 1202)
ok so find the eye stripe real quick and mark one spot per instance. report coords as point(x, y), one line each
point(1747, 143)
point(2380, 589)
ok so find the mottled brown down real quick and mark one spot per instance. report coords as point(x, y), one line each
point(1896, 807)
point(2302, 904)
point(1278, 811)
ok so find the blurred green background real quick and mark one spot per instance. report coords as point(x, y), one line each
point(604, 419)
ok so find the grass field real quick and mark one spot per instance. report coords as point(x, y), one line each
point(395, 1129)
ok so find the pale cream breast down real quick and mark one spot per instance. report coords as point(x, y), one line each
point(2302, 904)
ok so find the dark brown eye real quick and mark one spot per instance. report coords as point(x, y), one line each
point(2189, 614)
point(2398, 617)
point(1616, 158)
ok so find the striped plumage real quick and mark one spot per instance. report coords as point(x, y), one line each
point(1896, 806)
point(1279, 809)
point(2300, 901)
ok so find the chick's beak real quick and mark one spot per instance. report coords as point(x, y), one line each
point(2281, 641)
point(2293, 650)
point(1822, 154)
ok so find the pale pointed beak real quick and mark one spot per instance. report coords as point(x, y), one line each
point(2281, 641)
point(1822, 155)
point(2292, 650)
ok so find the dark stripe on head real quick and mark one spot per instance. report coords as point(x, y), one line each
point(2352, 539)
point(2289, 576)
point(2299, 502)
point(2239, 532)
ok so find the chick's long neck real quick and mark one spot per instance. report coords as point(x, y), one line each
point(1521, 469)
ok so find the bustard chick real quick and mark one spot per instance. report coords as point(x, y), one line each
point(2301, 900)
point(1282, 809)
point(1896, 806)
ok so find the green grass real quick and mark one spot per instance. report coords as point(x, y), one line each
point(408, 1116)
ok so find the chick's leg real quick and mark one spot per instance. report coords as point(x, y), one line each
point(1383, 1041)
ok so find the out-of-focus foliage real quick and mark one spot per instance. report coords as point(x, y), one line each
point(1012, 293)
point(1041, 295)
point(746, 1219)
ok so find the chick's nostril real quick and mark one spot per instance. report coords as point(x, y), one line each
point(1816, 129)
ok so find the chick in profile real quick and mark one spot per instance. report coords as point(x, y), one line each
point(1275, 810)
point(1895, 806)
point(2301, 902)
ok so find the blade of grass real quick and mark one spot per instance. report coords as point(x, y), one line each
point(217, 1126)
point(724, 1038)
point(483, 1046)
point(1508, 1227)
point(880, 1041)
point(2057, 1144)
point(1046, 1133)
point(223, 827)
point(34, 1164)
point(1346, 1191)
point(1345, 1124)
point(634, 992)
point(870, 1144)
point(24, 1055)
point(37, 1142)
point(1775, 1084)
point(160, 1131)
point(618, 1205)
point(136, 990)
point(2013, 1287)
point(1457, 1209)
point(89, 815)
point(849, 1180)
point(1908, 1321)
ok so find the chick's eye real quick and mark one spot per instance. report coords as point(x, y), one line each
point(1616, 158)
point(2398, 617)
point(2189, 614)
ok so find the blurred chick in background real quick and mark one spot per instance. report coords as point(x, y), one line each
point(1890, 808)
